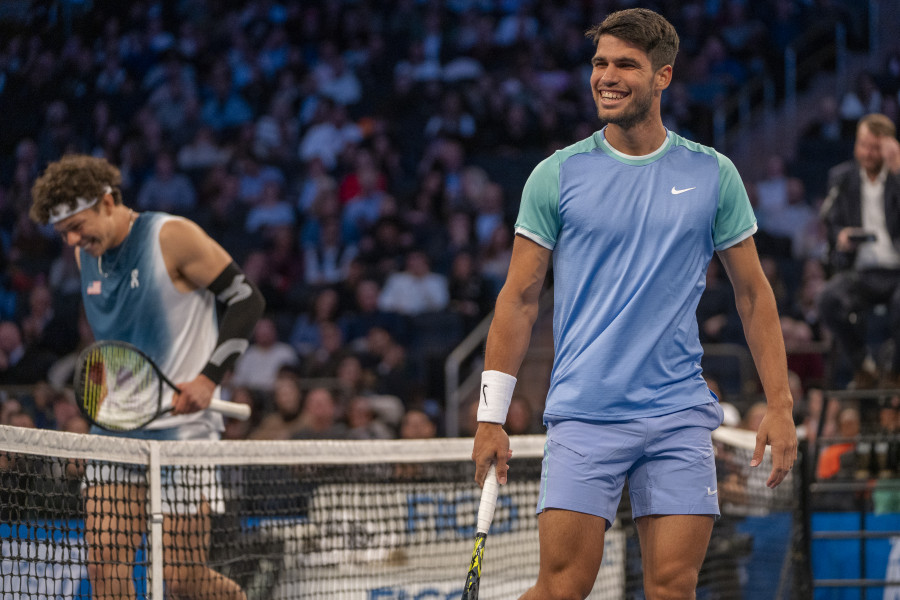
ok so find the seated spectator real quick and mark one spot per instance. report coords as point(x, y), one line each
point(253, 177)
point(470, 294)
point(860, 213)
point(329, 136)
point(496, 255)
point(415, 290)
point(20, 364)
point(202, 152)
point(319, 417)
point(270, 211)
point(324, 360)
point(225, 109)
point(305, 334)
point(54, 331)
point(417, 425)
point(167, 190)
point(258, 367)
point(831, 460)
point(362, 423)
point(236, 429)
point(384, 246)
point(365, 315)
point(363, 210)
point(328, 260)
point(284, 421)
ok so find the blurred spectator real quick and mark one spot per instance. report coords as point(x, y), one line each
point(496, 255)
point(319, 417)
point(862, 213)
point(366, 314)
point(202, 152)
point(329, 136)
point(519, 420)
point(305, 334)
point(46, 328)
point(363, 210)
point(362, 423)
point(20, 364)
point(236, 429)
point(826, 124)
point(416, 289)
point(167, 190)
point(258, 367)
point(417, 425)
point(271, 210)
point(831, 459)
point(325, 358)
point(862, 99)
point(328, 260)
point(471, 295)
point(284, 421)
point(224, 109)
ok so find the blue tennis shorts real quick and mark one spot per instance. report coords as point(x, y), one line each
point(668, 460)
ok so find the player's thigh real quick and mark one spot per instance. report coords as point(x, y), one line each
point(186, 535)
point(672, 551)
point(571, 549)
point(115, 519)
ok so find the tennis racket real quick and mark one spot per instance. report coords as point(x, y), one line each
point(485, 516)
point(119, 388)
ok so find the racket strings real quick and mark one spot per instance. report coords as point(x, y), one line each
point(119, 388)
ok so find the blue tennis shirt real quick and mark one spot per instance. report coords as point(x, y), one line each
point(632, 238)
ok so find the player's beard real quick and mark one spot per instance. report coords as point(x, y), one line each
point(634, 113)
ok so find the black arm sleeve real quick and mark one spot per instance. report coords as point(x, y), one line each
point(244, 305)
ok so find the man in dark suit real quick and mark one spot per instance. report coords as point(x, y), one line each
point(862, 214)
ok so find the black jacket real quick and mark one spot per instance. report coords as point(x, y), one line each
point(843, 208)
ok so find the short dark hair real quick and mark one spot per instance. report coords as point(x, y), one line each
point(646, 29)
point(71, 177)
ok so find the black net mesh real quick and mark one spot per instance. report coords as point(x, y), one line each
point(333, 520)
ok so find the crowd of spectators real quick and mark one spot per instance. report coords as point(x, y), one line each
point(362, 161)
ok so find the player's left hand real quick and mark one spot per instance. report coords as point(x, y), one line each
point(776, 430)
point(194, 395)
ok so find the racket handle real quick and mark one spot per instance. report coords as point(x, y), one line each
point(235, 410)
point(488, 500)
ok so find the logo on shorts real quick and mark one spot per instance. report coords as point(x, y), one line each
point(710, 491)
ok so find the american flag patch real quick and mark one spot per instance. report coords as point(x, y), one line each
point(94, 288)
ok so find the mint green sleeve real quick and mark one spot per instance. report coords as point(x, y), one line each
point(539, 211)
point(735, 220)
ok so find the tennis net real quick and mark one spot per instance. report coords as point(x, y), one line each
point(341, 520)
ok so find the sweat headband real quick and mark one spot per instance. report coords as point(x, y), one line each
point(64, 210)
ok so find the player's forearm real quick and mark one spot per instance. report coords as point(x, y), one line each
point(510, 333)
point(762, 328)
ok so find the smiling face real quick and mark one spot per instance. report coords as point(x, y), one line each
point(91, 229)
point(625, 86)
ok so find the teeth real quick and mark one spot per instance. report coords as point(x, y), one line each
point(611, 95)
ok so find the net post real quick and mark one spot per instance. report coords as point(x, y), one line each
point(156, 523)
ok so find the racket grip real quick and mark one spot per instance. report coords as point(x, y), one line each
point(235, 410)
point(488, 500)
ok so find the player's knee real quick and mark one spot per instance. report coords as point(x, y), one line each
point(562, 590)
point(671, 584)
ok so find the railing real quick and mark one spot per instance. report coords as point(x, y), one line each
point(759, 94)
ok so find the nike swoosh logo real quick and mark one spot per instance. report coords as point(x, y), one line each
point(484, 387)
point(676, 192)
point(711, 492)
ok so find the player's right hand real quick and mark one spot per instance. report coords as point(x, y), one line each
point(491, 446)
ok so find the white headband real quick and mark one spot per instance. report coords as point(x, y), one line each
point(64, 210)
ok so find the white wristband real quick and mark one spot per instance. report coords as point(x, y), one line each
point(496, 394)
